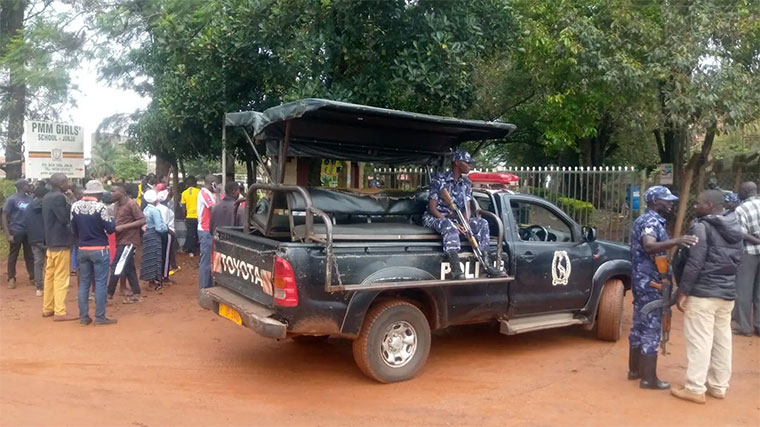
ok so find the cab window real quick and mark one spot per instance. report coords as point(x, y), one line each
point(537, 223)
point(485, 203)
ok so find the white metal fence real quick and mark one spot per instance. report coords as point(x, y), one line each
point(603, 197)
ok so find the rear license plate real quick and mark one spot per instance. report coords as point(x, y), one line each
point(230, 313)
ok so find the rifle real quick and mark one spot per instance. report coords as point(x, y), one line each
point(665, 285)
point(466, 225)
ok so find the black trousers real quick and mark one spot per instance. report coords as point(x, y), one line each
point(164, 253)
point(191, 236)
point(19, 240)
point(129, 271)
point(173, 251)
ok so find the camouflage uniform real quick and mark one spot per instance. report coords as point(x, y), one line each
point(461, 193)
point(646, 329)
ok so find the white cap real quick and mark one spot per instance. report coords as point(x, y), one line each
point(150, 196)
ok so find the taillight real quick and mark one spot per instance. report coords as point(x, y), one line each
point(285, 291)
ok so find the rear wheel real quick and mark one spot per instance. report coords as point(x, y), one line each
point(609, 318)
point(394, 342)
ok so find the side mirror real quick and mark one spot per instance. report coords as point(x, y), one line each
point(589, 233)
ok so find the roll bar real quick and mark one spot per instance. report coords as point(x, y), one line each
point(310, 211)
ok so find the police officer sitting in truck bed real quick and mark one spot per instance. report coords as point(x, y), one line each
point(440, 217)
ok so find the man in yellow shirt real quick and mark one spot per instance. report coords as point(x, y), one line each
point(190, 202)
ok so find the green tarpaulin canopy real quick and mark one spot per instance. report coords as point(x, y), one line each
point(344, 131)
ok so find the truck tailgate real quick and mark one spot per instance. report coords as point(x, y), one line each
point(244, 263)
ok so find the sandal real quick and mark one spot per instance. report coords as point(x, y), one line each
point(133, 299)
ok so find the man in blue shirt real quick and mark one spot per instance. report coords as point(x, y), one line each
point(91, 225)
point(442, 219)
point(14, 225)
point(649, 238)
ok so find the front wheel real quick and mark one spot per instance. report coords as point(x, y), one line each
point(394, 342)
point(609, 318)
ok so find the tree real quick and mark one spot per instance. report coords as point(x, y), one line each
point(129, 166)
point(110, 157)
point(38, 49)
point(204, 58)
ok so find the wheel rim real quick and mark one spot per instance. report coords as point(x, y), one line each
point(399, 344)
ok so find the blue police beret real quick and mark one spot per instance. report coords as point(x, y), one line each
point(462, 155)
point(658, 192)
point(732, 198)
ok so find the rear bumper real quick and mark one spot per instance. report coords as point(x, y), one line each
point(254, 315)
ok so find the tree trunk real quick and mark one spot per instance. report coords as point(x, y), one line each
point(683, 196)
point(230, 165)
point(175, 185)
point(12, 18)
point(163, 166)
point(181, 165)
point(695, 164)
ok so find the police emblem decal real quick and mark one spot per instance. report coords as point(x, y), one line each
point(560, 268)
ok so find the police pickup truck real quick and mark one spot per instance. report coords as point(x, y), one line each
point(357, 264)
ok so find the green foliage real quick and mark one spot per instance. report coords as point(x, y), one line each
point(204, 58)
point(111, 158)
point(199, 167)
point(7, 188)
point(576, 208)
point(573, 207)
point(37, 54)
point(129, 166)
point(586, 81)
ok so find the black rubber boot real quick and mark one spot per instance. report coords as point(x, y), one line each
point(634, 353)
point(490, 270)
point(648, 371)
point(456, 269)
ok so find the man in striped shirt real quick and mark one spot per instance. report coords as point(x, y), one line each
point(747, 310)
point(206, 201)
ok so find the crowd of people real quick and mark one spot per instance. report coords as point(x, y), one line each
point(718, 277)
point(99, 234)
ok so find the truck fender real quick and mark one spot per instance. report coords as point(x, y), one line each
point(361, 300)
point(617, 267)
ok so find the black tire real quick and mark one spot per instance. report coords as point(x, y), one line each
point(368, 346)
point(609, 317)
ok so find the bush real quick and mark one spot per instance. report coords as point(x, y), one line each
point(580, 210)
point(7, 188)
point(576, 208)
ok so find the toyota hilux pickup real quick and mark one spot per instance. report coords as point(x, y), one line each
point(357, 264)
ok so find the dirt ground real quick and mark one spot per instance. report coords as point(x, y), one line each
point(169, 362)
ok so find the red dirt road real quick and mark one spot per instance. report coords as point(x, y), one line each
point(169, 362)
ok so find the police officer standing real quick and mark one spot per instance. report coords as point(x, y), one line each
point(649, 238)
point(440, 217)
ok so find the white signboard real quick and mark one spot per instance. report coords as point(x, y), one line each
point(54, 148)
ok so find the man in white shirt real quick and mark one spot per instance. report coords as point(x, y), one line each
point(206, 201)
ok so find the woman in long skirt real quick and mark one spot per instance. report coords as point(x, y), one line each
point(168, 240)
point(152, 266)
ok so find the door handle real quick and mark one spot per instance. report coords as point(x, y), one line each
point(527, 256)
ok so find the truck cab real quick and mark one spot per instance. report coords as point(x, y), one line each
point(357, 263)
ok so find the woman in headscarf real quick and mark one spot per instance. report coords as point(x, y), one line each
point(152, 265)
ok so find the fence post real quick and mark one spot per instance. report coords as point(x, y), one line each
point(642, 189)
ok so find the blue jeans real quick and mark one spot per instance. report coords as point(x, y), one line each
point(93, 264)
point(204, 269)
